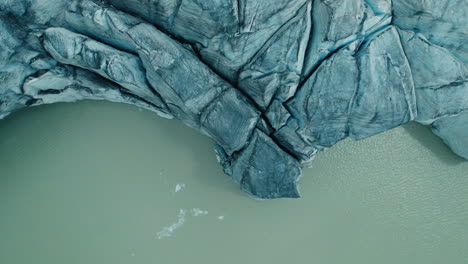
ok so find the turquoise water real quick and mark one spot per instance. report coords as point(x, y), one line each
point(96, 182)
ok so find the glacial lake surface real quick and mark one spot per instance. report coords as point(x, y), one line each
point(98, 182)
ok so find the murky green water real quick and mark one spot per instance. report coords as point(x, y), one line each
point(96, 182)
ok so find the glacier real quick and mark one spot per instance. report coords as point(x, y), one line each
point(272, 82)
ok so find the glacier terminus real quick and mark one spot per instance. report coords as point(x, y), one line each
point(272, 82)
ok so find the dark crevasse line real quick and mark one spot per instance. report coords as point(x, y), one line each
point(273, 36)
point(449, 85)
point(226, 158)
point(368, 38)
point(414, 114)
point(77, 87)
point(354, 96)
point(296, 18)
point(392, 13)
point(274, 139)
point(409, 96)
point(68, 87)
point(416, 31)
point(240, 18)
point(373, 7)
point(454, 83)
point(234, 85)
point(174, 14)
point(365, 39)
point(311, 31)
point(375, 30)
point(284, 148)
point(33, 75)
point(128, 93)
point(154, 91)
point(251, 133)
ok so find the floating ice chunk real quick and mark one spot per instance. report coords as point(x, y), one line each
point(179, 187)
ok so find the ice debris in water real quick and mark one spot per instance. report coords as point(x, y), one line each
point(198, 211)
point(272, 82)
point(179, 187)
point(168, 230)
point(181, 219)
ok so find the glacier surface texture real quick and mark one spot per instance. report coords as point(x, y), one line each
point(272, 82)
